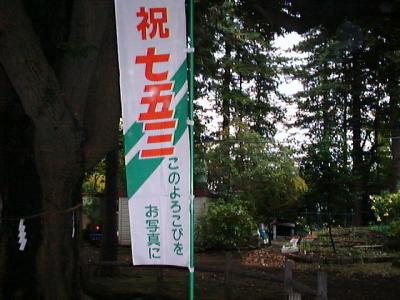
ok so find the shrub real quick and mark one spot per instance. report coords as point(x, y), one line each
point(386, 208)
point(225, 225)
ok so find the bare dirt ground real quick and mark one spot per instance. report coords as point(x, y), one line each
point(263, 280)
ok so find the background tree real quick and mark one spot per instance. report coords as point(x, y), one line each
point(345, 102)
point(263, 175)
point(243, 82)
point(239, 78)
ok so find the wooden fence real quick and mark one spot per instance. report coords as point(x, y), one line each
point(293, 289)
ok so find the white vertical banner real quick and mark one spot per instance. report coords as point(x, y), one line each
point(152, 54)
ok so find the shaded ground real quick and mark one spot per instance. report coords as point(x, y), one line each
point(356, 281)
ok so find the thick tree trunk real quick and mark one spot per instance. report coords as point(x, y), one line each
point(88, 22)
point(103, 108)
point(20, 193)
point(226, 94)
point(109, 246)
point(394, 94)
point(56, 153)
point(226, 117)
point(356, 155)
point(344, 133)
point(357, 152)
point(58, 273)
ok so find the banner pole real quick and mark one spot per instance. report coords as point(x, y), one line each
point(191, 132)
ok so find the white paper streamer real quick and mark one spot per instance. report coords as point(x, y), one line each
point(22, 235)
point(73, 224)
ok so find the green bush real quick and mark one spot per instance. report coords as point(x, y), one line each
point(225, 225)
point(394, 234)
point(91, 208)
point(386, 208)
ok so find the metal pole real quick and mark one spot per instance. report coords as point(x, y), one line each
point(191, 131)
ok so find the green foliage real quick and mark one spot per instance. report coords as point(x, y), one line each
point(386, 206)
point(239, 69)
point(329, 182)
point(95, 181)
point(344, 110)
point(394, 234)
point(225, 225)
point(91, 208)
point(255, 169)
point(93, 188)
point(391, 231)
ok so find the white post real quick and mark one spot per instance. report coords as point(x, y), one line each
point(322, 289)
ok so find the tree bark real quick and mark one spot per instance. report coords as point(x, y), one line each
point(57, 112)
point(357, 151)
point(88, 22)
point(393, 90)
point(344, 133)
point(226, 93)
point(226, 116)
point(109, 246)
point(103, 106)
point(19, 182)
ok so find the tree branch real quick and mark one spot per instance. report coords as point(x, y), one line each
point(57, 136)
point(88, 23)
point(39, 89)
point(103, 109)
point(26, 66)
point(278, 18)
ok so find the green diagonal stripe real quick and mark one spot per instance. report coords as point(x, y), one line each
point(180, 77)
point(139, 170)
point(181, 113)
point(133, 135)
